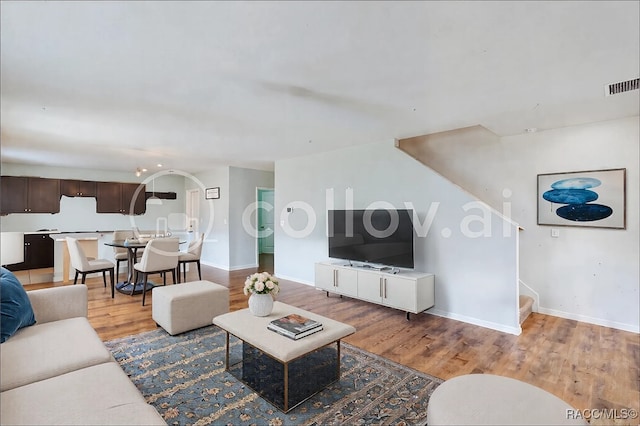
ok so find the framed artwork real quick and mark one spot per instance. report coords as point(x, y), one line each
point(595, 198)
point(212, 193)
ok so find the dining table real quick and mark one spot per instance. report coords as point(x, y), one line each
point(130, 286)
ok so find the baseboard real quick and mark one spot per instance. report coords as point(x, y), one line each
point(596, 321)
point(229, 268)
point(215, 265)
point(238, 267)
point(295, 279)
point(475, 321)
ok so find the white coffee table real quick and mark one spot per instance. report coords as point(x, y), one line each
point(285, 372)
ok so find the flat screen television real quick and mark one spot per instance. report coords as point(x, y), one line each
point(382, 237)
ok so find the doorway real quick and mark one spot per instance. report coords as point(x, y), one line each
point(265, 224)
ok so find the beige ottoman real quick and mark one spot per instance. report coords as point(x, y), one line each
point(187, 306)
point(485, 399)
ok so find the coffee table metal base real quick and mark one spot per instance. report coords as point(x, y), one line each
point(286, 385)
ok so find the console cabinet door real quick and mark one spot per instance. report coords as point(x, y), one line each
point(346, 281)
point(370, 286)
point(399, 293)
point(325, 277)
point(337, 280)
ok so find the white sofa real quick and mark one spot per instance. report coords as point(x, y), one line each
point(58, 371)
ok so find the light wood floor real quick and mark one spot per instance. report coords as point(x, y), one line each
point(588, 366)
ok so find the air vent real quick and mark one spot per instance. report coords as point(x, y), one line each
point(621, 87)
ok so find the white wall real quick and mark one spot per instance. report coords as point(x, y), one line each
point(587, 274)
point(243, 250)
point(228, 246)
point(476, 278)
point(214, 216)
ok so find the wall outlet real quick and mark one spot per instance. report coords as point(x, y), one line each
point(555, 233)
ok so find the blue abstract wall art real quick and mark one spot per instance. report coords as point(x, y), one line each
point(572, 200)
point(575, 194)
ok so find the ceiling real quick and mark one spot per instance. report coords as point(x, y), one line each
point(192, 85)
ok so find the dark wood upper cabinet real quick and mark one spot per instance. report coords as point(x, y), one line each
point(77, 188)
point(115, 197)
point(136, 193)
point(14, 194)
point(29, 195)
point(24, 194)
point(44, 195)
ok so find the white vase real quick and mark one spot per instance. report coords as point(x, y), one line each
point(260, 305)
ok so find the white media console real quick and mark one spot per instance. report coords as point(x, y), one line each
point(409, 291)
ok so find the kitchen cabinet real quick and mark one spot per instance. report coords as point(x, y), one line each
point(406, 290)
point(21, 194)
point(77, 188)
point(38, 253)
point(116, 197)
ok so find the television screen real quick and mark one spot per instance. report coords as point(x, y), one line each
point(383, 237)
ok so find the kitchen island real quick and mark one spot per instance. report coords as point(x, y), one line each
point(92, 243)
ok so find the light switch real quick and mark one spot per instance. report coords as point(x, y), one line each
point(555, 232)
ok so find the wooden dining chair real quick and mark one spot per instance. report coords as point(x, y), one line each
point(160, 256)
point(83, 265)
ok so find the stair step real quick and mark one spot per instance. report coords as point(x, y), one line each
point(526, 307)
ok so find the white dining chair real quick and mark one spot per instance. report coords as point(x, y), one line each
point(121, 254)
point(194, 251)
point(160, 256)
point(84, 265)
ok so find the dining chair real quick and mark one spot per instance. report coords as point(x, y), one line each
point(192, 255)
point(121, 254)
point(160, 256)
point(84, 265)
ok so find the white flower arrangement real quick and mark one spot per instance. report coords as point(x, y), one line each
point(261, 283)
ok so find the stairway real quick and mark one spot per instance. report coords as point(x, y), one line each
point(526, 305)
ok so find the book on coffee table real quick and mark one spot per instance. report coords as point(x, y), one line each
point(294, 336)
point(295, 326)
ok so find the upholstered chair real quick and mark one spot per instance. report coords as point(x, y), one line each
point(121, 254)
point(160, 256)
point(191, 256)
point(83, 265)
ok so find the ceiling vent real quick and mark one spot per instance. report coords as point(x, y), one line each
point(621, 87)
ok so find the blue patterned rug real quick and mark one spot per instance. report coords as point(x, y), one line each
point(184, 378)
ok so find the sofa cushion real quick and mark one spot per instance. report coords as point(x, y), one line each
point(47, 350)
point(15, 307)
point(98, 395)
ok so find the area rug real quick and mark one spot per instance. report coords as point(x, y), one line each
point(184, 378)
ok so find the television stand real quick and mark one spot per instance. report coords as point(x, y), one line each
point(409, 291)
